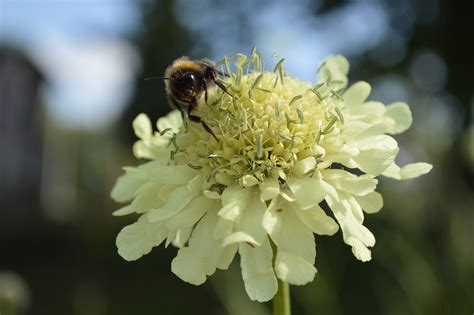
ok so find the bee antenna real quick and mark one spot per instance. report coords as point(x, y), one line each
point(155, 78)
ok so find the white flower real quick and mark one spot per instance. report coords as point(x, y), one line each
point(292, 160)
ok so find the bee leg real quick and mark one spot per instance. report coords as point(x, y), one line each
point(222, 86)
point(211, 73)
point(226, 75)
point(199, 119)
point(204, 84)
point(203, 123)
point(184, 117)
point(184, 113)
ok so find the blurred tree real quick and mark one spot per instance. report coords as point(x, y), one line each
point(160, 40)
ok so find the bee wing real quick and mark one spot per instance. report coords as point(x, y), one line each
point(211, 64)
point(206, 62)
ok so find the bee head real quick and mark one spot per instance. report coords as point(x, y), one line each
point(186, 85)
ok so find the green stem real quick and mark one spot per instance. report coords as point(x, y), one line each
point(281, 301)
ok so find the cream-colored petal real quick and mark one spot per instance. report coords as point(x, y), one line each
point(211, 194)
point(271, 220)
point(356, 185)
point(234, 201)
point(308, 191)
point(401, 115)
point(341, 158)
point(171, 236)
point(294, 269)
point(333, 71)
point(252, 218)
point(124, 211)
point(249, 181)
point(368, 111)
point(304, 166)
point(149, 188)
point(143, 150)
point(317, 220)
point(147, 199)
point(177, 200)
point(415, 170)
point(182, 236)
point(370, 203)
point(165, 192)
point(172, 175)
point(191, 213)
point(287, 194)
point(199, 259)
point(369, 130)
point(250, 226)
point(351, 224)
point(376, 154)
point(328, 188)
point(408, 171)
point(223, 228)
point(126, 185)
point(269, 188)
point(155, 148)
point(195, 185)
point(227, 256)
point(356, 94)
point(142, 126)
point(338, 153)
point(356, 209)
point(352, 127)
point(172, 120)
point(393, 171)
point(240, 237)
point(296, 250)
point(334, 144)
point(257, 271)
point(189, 266)
point(359, 250)
point(139, 238)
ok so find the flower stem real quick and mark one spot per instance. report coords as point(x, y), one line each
point(281, 301)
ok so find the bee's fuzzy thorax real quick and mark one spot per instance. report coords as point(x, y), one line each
point(182, 64)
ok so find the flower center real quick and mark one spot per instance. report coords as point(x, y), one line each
point(270, 122)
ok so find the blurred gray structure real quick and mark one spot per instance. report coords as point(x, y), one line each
point(21, 136)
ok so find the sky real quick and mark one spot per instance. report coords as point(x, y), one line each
point(288, 28)
point(82, 45)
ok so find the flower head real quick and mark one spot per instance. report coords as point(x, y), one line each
point(290, 160)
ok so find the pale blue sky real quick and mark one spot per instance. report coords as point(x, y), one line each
point(81, 45)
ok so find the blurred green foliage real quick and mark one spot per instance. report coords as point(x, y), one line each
point(423, 262)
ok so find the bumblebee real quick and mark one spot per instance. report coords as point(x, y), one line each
point(186, 80)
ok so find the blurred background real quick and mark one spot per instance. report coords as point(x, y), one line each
point(71, 82)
